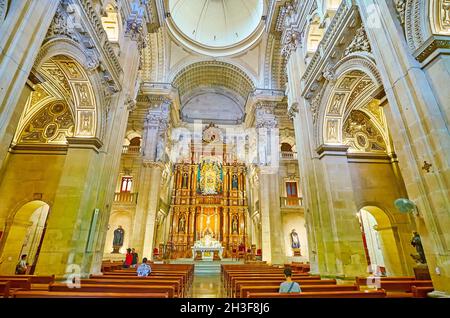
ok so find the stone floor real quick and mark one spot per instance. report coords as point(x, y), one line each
point(206, 286)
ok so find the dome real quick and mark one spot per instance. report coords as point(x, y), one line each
point(216, 24)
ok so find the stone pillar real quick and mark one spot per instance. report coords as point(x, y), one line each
point(418, 116)
point(153, 152)
point(269, 193)
point(21, 37)
point(64, 249)
point(336, 213)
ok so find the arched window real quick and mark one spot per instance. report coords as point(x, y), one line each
point(285, 147)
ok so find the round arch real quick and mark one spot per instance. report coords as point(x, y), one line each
point(354, 76)
point(381, 240)
point(77, 70)
point(124, 219)
point(25, 228)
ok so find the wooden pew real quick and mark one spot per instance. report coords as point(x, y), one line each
point(47, 294)
point(17, 283)
point(62, 287)
point(151, 277)
point(232, 276)
point(4, 289)
point(421, 292)
point(34, 279)
point(404, 286)
point(244, 290)
point(362, 281)
point(147, 282)
point(339, 294)
point(238, 283)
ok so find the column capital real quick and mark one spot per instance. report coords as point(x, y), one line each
point(332, 150)
point(85, 143)
point(152, 164)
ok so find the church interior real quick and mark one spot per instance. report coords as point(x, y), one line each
point(224, 141)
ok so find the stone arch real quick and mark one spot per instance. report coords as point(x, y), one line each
point(386, 229)
point(83, 84)
point(17, 233)
point(423, 19)
point(352, 81)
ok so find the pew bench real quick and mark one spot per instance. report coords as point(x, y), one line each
point(34, 279)
point(245, 289)
point(335, 294)
point(137, 278)
point(421, 292)
point(4, 289)
point(54, 294)
point(61, 287)
point(145, 282)
point(17, 283)
point(238, 283)
point(404, 286)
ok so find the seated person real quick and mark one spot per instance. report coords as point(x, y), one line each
point(22, 266)
point(144, 269)
point(289, 286)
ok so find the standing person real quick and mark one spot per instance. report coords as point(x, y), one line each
point(289, 286)
point(134, 260)
point(22, 266)
point(144, 269)
point(128, 259)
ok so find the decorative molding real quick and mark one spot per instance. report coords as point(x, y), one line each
point(152, 164)
point(135, 26)
point(360, 43)
point(55, 149)
point(293, 110)
point(333, 150)
point(84, 143)
point(291, 40)
point(3, 10)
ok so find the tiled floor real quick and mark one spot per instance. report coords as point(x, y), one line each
point(206, 286)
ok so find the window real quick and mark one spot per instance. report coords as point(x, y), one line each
point(285, 147)
point(292, 194)
point(126, 184)
point(291, 189)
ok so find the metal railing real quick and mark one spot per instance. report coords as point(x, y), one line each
point(290, 202)
point(125, 197)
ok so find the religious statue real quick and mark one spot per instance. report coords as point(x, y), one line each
point(185, 181)
point(181, 224)
point(118, 239)
point(295, 242)
point(417, 243)
point(234, 182)
point(234, 225)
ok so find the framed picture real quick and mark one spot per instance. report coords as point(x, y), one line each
point(91, 236)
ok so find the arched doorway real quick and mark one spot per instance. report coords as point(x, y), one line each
point(24, 236)
point(380, 243)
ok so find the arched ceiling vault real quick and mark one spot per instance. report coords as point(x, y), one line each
point(215, 75)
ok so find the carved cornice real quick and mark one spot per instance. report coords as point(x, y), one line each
point(39, 149)
point(430, 46)
point(293, 110)
point(83, 28)
point(135, 26)
point(332, 150)
point(360, 43)
point(84, 143)
point(152, 164)
point(290, 41)
point(345, 13)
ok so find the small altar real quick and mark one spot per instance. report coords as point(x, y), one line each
point(207, 249)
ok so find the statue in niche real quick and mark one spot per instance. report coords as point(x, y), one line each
point(160, 150)
point(234, 225)
point(234, 182)
point(119, 234)
point(295, 241)
point(181, 224)
point(184, 184)
point(417, 243)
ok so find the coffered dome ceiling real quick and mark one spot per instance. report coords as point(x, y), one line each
point(216, 27)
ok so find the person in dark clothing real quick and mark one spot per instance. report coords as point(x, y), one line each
point(134, 259)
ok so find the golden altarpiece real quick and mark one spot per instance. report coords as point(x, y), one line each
point(209, 197)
